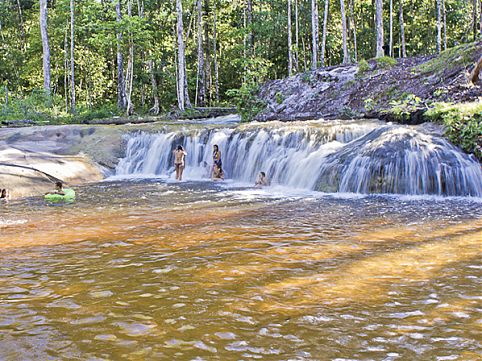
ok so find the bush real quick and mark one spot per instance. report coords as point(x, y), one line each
point(385, 62)
point(363, 66)
point(247, 101)
point(279, 97)
point(463, 124)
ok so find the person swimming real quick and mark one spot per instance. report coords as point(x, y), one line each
point(262, 180)
point(59, 189)
point(179, 161)
point(4, 195)
point(218, 173)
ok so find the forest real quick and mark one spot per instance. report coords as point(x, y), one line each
point(67, 59)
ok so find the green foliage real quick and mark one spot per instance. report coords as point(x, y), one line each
point(306, 78)
point(247, 101)
point(463, 124)
point(369, 104)
point(280, 98)
point(385, 62)
point(363, 66)
point(402, 108)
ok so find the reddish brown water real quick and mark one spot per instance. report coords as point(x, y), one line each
point(154, 271)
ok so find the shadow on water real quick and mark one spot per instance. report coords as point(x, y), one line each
point(153, 270)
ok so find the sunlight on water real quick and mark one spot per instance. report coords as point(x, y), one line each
point(145, 270)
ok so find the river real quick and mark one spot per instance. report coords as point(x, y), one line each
point(140, 267)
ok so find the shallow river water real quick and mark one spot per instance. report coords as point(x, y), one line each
point(149, 270)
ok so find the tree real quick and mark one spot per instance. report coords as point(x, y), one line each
point(201, 91)
point(182, 89)
point(439, 26)
point(314, 34)
point(391, 29)
point(215, 52)
point(290, 45)
point(379, 27)
point(72, 58)
point(402, 29)
point(325, 26)
point(353, 22)
point(121, 90)
point(45, 44)
point(346, 56)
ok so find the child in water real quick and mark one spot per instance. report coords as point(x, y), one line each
point(262, 180)
point(59, 189)
point(4, 195)
point(179, 161)
point(218, 173)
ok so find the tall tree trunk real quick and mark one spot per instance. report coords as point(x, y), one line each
point(121, 89)
point(439, 26)
point(290, 45)
point(346, 56)
point(297, 38)
point(155, 108)
point(45, 44)
point(480, 10)
point(130, 65)
point(250, 27)
point(353, 21)
point(208, 79)
point(215, 52)
point(391, 29)
point(22, 27)
point(444, 24)
point(72, 58)
point(181, 58)
point(474, 18)
point(314, 34)
point(325, 27)
point(402, 28)
point(200, 57)
point(66, 71)
point(379, 22)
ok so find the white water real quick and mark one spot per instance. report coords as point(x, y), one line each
point(359, 157)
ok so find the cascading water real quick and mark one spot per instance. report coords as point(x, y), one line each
point(359, 157)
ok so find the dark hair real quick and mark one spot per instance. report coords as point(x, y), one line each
point(263, 174)
point(58, 184)
point(3, 193)
point(179, 147)
point(216, 146)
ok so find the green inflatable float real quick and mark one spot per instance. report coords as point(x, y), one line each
point(69, 196)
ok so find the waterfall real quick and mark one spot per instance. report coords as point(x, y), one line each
point(358, 156)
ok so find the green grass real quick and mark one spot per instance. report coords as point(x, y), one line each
point(457, 56)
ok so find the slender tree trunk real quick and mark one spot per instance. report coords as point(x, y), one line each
point(352, 16)
point(155, 108)
point(325, 27)
point(250, 27)
point(379, 22)
point(22, 27)
point(444, 24)
point(121, 89)
point(130, 65)
point(314, 34)
point(45, 44)
point(181, 58)
point(391, 29)
point(208, 79)
point(480, 11)
point(290, 45)
point(474, 18)
point(215, 52)
point(72, 57)
point(439, 26)
point(66, 72)
point(402, 29)
point(297, 36)
point(346, 55)
point(200, 57)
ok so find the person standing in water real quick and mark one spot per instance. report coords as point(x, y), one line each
point(179, 161)
point(217, 163)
